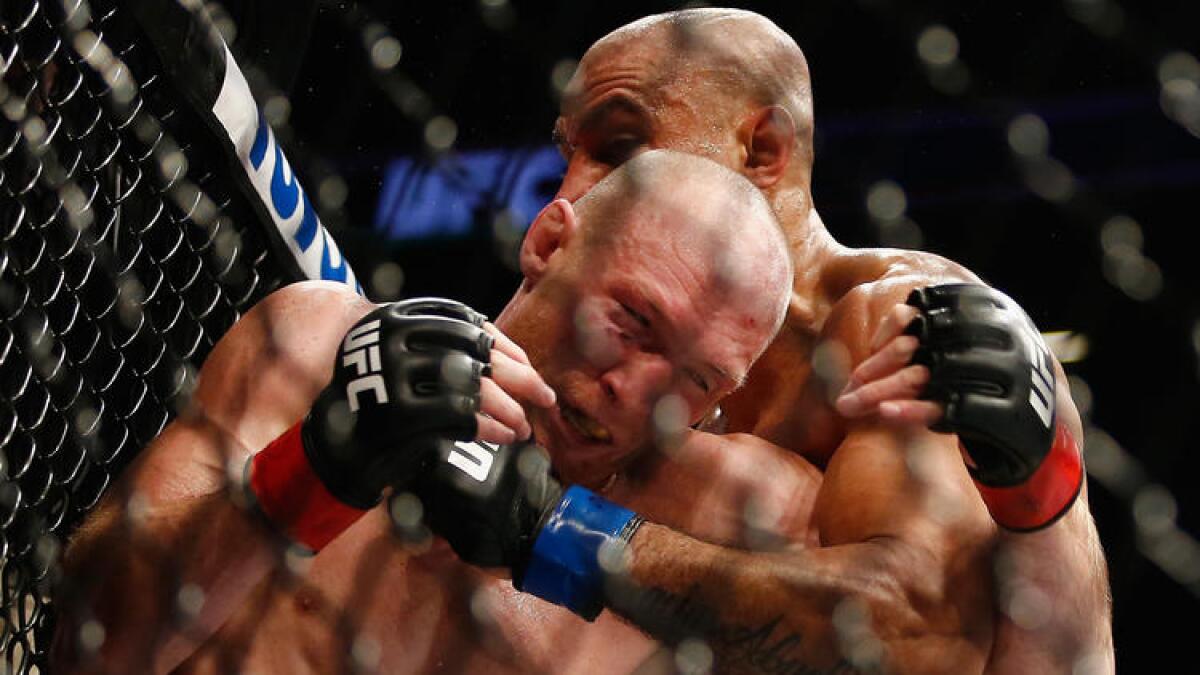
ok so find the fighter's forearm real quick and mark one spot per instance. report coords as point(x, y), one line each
point(158, 589)
point(757, 612)
point(1061, 570)
point(150, 579)
point(833, 610)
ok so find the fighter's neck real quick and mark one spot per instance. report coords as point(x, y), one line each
point(813, 251)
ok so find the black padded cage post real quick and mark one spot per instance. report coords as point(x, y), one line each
point(128, 246)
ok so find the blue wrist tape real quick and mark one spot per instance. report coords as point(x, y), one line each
point(564, 566)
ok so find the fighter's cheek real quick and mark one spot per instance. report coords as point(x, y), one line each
point(594, 338)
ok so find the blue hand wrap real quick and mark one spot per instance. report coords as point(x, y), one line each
point(564, 566)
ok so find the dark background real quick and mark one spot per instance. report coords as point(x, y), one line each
point(1088, 68)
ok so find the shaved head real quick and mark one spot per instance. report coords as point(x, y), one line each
point(727, 52)
point(669, 278)
point(728, 85)
point(711, 210)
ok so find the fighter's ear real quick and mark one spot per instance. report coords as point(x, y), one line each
point(548, 234)
point(768, 137)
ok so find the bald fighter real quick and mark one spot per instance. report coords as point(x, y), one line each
point(666, 281)
point(912, 574)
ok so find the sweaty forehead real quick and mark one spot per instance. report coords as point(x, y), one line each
point(647, 62)
point(706, 282)
point(687, 260)
point(639, 69)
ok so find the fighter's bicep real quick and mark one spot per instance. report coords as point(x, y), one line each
point(907, 485)
point(191, 457)
point(270, 366)
point(260, 377)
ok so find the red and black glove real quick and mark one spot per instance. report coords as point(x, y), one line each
point(993, 373)
point(405, 373)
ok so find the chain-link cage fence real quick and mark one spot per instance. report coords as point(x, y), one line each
point(142, 213)
point(128, 251)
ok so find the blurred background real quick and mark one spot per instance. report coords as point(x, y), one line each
point(1052, 147)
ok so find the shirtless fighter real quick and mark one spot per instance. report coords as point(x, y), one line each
point(912, 574)
point(667, 280)
point(904, 568)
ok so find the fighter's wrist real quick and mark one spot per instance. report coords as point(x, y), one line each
point(1045, 495)
point(565, 564)
point(286, 490)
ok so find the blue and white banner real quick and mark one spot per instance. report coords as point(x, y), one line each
point(276, 185)
point(205, 73)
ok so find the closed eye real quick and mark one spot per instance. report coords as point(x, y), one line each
point(637, 316)
point(614, 131)
point(617, 151)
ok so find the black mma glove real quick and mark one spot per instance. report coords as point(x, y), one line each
point(993, 373)
point(405, 373)
point(498, 506)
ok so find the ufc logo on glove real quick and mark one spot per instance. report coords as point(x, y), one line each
point(1041, 391)
point(360, 349)
point(473, 458)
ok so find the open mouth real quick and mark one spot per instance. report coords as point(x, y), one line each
point(588, 428)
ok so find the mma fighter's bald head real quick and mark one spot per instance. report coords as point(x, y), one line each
point(733, 53)
point(728, 85)
point(669, 278)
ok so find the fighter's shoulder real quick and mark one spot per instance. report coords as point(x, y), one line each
point(876, 271)
point(293, 324)
point(314, 304)
point(307, 308)
point(869, 282)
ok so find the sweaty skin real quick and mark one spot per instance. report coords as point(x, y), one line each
point(911, 574)
point(182, 579)
point(886, 384)
point(894, 575)
point(421, 610)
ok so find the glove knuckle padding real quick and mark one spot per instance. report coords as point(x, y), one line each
point(991, 370)
point(460, 373)
point(399, 376)
point(950, 295)
point(982, 372)
point(979, 327)
point(450, 309)
point(431, 333)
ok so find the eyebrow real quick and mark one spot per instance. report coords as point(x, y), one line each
point(596, 114)
point(616, 103)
